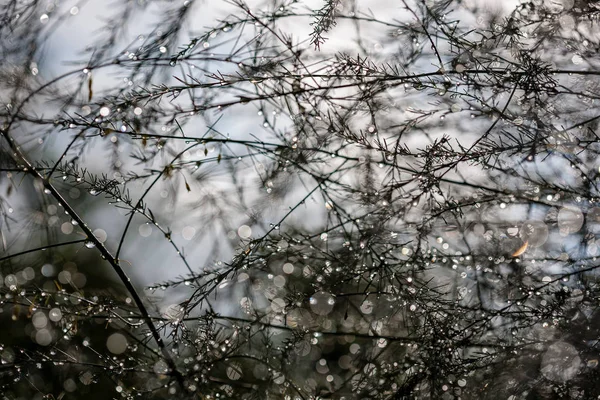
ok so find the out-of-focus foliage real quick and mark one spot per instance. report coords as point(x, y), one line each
point(325, 199)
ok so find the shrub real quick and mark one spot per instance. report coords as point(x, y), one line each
point(299, 201)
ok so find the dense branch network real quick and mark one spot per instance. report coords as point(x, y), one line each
point(414, 217)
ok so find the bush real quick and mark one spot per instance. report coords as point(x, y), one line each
point(301, 201)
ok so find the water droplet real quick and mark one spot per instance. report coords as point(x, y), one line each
point(100, 234)
point(145, 230)
point(534, 232)
point(561, 362)
point(234, 371)
point(244, 231)
point(55, 315)
point(570, 219)
point(322, 303)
